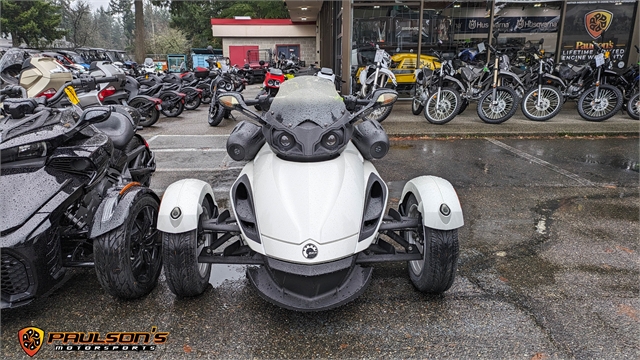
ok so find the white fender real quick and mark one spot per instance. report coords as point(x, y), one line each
point(387, 72)
point(431, 192)
point(187, 195)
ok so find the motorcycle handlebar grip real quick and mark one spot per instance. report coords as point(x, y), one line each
point(106, 79)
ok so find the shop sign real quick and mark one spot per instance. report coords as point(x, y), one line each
point(607, 24)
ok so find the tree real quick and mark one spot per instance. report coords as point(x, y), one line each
point(81, 27)
point(140, 51)
point(30, 21)
point(193, 18)
point(127, 18)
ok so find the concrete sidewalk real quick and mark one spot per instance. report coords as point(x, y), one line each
point(402, 123)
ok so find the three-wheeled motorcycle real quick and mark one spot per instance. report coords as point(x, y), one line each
point(307, 210)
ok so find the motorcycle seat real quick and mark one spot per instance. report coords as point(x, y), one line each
point(118, 128)
point(149, 90)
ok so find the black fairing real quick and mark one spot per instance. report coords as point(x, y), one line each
point(292, 115)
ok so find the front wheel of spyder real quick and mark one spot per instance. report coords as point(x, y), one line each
point(175, 110)
point(500, 109)
point(187, 277)
point(128, 259)
point(434, 274)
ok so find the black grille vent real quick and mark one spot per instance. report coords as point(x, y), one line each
point(15, 279)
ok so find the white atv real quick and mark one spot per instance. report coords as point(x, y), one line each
point(308, 208)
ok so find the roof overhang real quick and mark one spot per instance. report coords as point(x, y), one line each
point(304, 10)
point(233, 28)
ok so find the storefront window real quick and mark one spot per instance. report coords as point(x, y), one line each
point(608, 23)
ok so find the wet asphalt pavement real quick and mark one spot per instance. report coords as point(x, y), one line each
point(548, 265)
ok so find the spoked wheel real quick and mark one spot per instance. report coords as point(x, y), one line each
point(633, 106)
point(542, 105)
point(442, 111)
point(607, 103)
point(216, 113)
point(435, 272)
point(418, 101)
point(128, 259)
point(500, 109)
point(379, 114)
point(185, 275)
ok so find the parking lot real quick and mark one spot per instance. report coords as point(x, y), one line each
point(548, 255)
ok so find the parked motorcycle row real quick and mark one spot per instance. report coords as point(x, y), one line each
point(540, 90)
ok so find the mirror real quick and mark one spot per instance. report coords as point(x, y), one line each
point(210, 48)
point(231, 101)
point(96, 115)
point(541, 41)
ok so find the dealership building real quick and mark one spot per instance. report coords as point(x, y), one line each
point(316, 30)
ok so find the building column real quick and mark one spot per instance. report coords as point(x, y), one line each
point(347, 24)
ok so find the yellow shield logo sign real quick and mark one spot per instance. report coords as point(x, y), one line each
point(597, 21)
point(31, 339)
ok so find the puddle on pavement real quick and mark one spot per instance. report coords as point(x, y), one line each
point(221, 273)
point(615, 162)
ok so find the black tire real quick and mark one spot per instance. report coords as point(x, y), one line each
point(226, 114)
point(216, 113)
point(193, 104)
point(150, 117)
point(140, 161)
point(416, 104)
point(446, 110)
point(379, 114)
point(436, 271)
point(185, 276)
point(609, 104)
point(551, 101)
point(174, 111)
point(463, 106)
point(633, 106)
point(128, 259)
point(506, 106)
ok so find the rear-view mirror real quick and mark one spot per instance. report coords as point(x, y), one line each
point(231, 101)
point(96, 115)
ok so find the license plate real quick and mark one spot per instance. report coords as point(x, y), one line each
point(599, 59)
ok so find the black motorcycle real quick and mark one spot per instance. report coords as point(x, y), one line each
point(172, 101)
point(79, 205)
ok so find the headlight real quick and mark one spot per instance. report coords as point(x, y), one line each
point(24, 152)
point(286, 141)
point(331, 140)
point(276, 83)
point(270, 82)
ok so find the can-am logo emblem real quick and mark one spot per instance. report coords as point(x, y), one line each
point(597, 21)
point(310, 251)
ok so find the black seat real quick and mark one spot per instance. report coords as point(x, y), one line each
point(118, 128)
point(149, 90)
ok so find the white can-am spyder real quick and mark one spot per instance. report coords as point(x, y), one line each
point(307, 209)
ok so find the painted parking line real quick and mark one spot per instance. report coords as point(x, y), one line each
point(533, 159)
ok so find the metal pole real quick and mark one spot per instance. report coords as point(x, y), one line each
point(563, 13)
point(491, 8)
point(420, 34)
point(347, 24)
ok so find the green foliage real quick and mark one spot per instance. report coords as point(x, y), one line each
point(30, 21)
point(127, 19)
point(256, 9)
point(193, 17)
